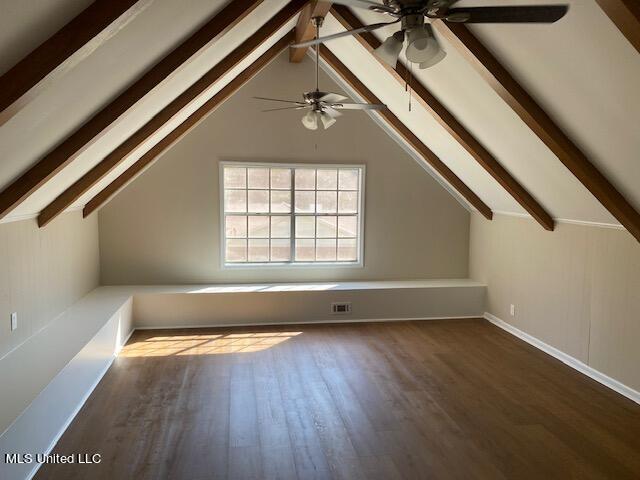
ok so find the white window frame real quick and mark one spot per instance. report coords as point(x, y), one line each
point(359, 263)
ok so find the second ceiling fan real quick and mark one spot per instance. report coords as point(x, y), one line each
point(323, 107)
point(422, 47)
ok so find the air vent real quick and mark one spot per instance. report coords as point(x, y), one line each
point(341, 308)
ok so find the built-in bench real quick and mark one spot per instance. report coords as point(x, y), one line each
point(48, 378)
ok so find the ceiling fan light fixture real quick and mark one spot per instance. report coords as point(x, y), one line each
point(327, 120)
point(438, 57)
point(310, 120)
point(390, 49)
point(423, 47)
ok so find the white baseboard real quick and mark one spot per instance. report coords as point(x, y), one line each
point(574, 363)
point(319, 322)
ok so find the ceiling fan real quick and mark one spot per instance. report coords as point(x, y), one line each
point(422, 46)
point(322, 106)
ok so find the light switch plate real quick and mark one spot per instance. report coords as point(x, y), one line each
point(512, 310)
point(14, 321)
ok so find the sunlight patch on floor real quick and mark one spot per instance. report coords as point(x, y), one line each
point(206, 344)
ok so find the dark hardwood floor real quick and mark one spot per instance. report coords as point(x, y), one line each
point(435, 400)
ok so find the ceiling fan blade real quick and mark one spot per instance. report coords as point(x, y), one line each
point(376, 7)
point(366, 28)
point(279, 100)
point(332, 98)
point(332, 112)
point(358, 106)
point(301, 107)
point(516, 14)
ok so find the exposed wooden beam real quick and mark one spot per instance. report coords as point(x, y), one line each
point(426, 153)
point(626, 15)
point(61, 52)
point(305, 29)
point(449, 122)
point(540, 123)
point(185, 127)
point(199, 88)
point(60, 156)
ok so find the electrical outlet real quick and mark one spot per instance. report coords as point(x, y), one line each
point(14, 321)
point(512, 310)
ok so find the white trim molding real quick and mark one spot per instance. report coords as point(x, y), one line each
point(584, 223)
point(317, 322)
point(572, 362)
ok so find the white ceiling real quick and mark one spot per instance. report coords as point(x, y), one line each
point(581, 70)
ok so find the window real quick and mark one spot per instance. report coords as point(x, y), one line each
point(291, 214)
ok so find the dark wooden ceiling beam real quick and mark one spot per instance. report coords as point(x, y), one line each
point(60, 156)
point(393, 121)
point(199, 88)
point(185, 127)
point(540, 123)
point(626, 16)
point(305, 29)
point(449, 122)
point(62, 51)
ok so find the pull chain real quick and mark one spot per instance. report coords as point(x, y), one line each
point(407, 81)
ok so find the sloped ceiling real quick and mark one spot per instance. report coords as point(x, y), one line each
point(581, 70)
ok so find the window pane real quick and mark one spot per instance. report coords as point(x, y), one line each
point(347, 202)
point(280, 250)
point(281, 178)
point(305, 227)
point(258, 250)
point(235, 201)
point(236, 250)
point(348, 179)
point(259, 201)
point(305, 202)
point(347, 226)
point(347, 249)
point(305, 179)
point(326, 250)
point(305, 250)
point(326, 227)
point(327, 179)
point(236, 226)
point(258, 227)
point(326, 202)
point(280, 227)
point(258, 213)
point(258, 177)
point(280, 201)
point(235, 177)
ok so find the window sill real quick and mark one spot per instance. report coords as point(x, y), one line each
point(264, 266)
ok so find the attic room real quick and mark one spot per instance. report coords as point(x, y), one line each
point(297, 239)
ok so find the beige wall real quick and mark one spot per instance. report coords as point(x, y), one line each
point(164, 227)
point(576, 289)
point(44, 271)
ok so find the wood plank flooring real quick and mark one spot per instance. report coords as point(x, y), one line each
point(408, 400)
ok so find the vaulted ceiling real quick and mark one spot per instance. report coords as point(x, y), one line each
point(117, 99)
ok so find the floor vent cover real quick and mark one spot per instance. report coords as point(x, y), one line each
point(341, 308)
